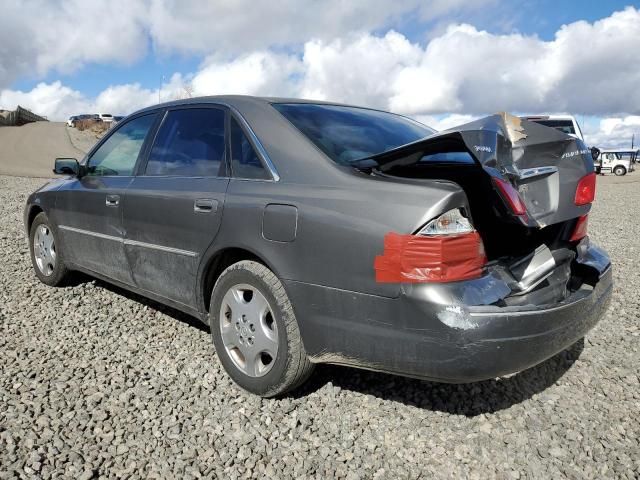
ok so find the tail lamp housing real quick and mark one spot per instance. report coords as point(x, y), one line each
point(586, 190)
point(447, 249)
point(510, 195)
point(580, 229)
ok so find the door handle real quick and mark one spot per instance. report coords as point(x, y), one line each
point(205, 205)
point(112, 200)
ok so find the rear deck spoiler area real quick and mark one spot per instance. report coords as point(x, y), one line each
point(542, 165)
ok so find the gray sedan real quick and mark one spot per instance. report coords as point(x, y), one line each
point(307, 232)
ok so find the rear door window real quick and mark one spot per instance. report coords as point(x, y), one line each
point(190, 143)
point(245, 163)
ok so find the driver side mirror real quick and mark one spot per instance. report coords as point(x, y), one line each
point(66, 166)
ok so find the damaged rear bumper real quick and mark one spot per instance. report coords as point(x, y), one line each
point(428, 332)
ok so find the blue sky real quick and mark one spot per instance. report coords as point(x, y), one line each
point(438, 60)
point(530, 17)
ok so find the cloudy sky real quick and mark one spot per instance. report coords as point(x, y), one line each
point(440, 61)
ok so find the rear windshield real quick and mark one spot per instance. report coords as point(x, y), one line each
point(345, 134)
point(565, 126)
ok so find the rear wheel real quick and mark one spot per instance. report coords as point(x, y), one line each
point(46, 256)
point(255, 331)
point(619, 170)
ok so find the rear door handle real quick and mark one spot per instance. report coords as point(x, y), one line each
point(113, 200)
point(205, 205)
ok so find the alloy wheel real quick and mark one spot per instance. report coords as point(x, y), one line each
point(249, 331)
point(44, 250)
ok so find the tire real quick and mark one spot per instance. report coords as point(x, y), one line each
point(619, 171)
point(261, 348)
point(46, 257)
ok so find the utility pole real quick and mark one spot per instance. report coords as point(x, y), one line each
point(160, 87)
point(633, 137)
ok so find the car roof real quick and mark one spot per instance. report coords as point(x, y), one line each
point(238, 101)
point(548, 117)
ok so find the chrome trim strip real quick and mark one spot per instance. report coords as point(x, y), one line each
point(178, 251)
point(536, 172)
point(88, 232)
point(133, 243)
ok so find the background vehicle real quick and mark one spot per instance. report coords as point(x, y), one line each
point(619, 162)
point(106, 117)
point(306, 232)
point(72, 121)
point(564, 123)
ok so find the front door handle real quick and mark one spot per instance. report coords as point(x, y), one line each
point(113, 200)
point(205, 205)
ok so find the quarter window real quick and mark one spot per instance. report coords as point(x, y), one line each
point(245, 163)
point(119, 153)
point(189, 143)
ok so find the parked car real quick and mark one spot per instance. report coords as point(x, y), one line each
point(565, 123)
point(73, 120)
point(307, 232)
point(619, 162)
point(106, 117)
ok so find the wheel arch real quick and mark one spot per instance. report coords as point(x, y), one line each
point(215, 264)
point(34, 211)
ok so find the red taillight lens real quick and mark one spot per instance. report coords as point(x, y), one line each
point(586, 189)
point(580, 230)
point(437, 258)
point(511, 195)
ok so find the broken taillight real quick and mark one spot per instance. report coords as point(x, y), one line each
point(447, 249)
point(580, 230)
point(586, 189)
point(510, 195)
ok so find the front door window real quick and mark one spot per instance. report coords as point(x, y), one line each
point(117, 156)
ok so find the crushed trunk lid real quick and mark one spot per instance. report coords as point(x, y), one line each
point(542, 164)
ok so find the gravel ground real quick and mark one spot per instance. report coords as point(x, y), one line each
point(98, 382)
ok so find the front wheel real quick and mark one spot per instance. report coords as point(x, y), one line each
point(255, 331)
point(619, 171)
point(46, 256)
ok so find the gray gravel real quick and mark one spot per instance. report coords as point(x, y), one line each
point(98, 382)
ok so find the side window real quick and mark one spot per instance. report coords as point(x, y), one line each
point(189, 143)
point(245, 163)
point(119, 153)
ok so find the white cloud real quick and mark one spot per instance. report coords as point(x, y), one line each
point(461, 74)
point(40, 36)
point(586, 69)
point(246, 25)
point(54, 100)
point(257, 73)
point(613, 132)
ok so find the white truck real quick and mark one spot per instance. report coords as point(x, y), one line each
point(565, 123)
point(619, 162)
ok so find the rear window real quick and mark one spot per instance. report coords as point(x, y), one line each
point(565, 126)
point(345, 134)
